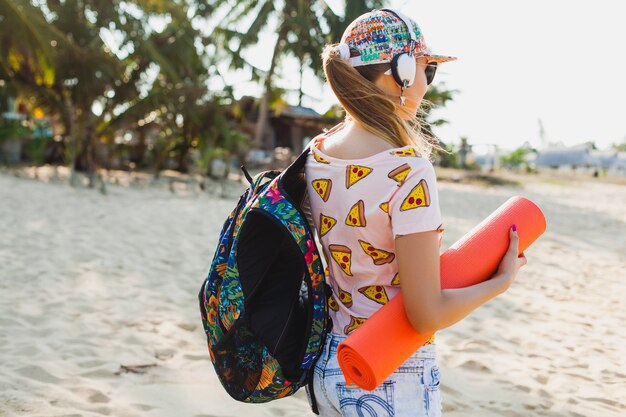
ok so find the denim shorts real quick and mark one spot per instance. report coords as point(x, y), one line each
point(412, 390)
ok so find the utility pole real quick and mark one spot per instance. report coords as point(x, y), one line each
point(542, 134)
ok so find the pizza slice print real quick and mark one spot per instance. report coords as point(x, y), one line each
point(379, 256)
point(356, 216)
point(345, 297)
point(355, 322)
point(400, 173)
point(396, 279)
point(375, 293)
point(322, 187)
point(332, 303)
point(326, 223)
point(384, 207)
point(406, 152)
point(355, 173)
point(319, 159)
point(418, 197)
point(343, 256)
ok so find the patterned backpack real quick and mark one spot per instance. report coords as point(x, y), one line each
point(264, 301)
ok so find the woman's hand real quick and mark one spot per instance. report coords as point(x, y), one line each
point(510, 263)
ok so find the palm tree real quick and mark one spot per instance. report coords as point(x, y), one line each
point(302, 29)
point(32, 51)
point(179, 101)
point(88, 71)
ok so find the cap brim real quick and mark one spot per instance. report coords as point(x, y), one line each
point(439, 58)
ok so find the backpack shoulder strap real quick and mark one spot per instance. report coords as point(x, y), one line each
point(298, 165)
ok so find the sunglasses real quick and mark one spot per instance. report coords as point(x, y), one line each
point(431, 69)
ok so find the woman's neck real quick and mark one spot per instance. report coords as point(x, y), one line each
point(353, 141)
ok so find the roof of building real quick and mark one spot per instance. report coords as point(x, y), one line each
point(298, 111)
point(564, 156)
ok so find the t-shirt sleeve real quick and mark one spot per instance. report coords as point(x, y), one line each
point(414, 206)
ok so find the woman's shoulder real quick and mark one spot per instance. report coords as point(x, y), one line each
point(379, 156)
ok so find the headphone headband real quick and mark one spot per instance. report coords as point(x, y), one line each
point(408, 25)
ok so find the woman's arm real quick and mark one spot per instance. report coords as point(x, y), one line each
point(428, 307)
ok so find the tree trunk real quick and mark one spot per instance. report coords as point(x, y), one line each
point(139, 152)
point(89, 154)
point(263, 109)
point(183, 166)
point(301, 93)
point(71, 133)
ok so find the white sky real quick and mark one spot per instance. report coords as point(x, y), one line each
point(561, 61)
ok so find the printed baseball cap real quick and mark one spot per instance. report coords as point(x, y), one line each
point(379, 35)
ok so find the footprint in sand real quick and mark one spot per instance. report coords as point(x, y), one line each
point(92, 363)
point(449, 407)
point(38, 374)
point(102, 373)
point(196, 357)
point(102, 410)
point(144, 407)
point(543, 393)
point(98, 397)
point(610, 403)
point(446, 389)
point(523, 388)
point(541, 406)
point(190, 327)
point(92, 395)
point(164, 354)
point(473, 365)
point(586, 378)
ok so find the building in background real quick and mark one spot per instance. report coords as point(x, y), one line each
point(582, 158)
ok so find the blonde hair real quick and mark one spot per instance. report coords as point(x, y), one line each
point(365, 101)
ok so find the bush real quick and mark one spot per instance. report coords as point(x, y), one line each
point(13, 129)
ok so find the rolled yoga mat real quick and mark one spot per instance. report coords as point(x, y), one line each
point(472, 259)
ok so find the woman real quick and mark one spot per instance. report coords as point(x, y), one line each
point(375, 206)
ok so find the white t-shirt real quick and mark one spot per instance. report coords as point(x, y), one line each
point(358, 206)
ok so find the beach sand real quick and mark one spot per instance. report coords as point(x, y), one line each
point(92, 286)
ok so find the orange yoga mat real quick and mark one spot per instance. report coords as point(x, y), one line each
point(472, 259)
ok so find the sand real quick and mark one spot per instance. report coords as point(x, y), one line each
point(99, 315)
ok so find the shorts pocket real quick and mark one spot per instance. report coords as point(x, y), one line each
point(432, 397)
point(357, 402)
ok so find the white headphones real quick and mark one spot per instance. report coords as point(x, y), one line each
point(403, 64)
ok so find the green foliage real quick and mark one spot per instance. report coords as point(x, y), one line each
point(335, 112)
point(619, 147)
point(456, 156)
point(35, 149)
point(515, 158)
point(13, 129)
point(449, 159)
point(156, 83)
point(26, 42)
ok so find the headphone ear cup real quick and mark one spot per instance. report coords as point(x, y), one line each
point(405, 67)
point(394, 70)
